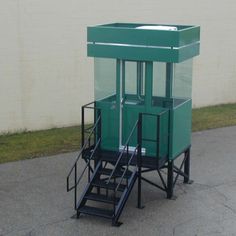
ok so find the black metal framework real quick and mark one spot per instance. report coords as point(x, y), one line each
point(113, 175)
point(93, 130)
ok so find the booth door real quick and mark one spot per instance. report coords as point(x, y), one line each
point(132, 100)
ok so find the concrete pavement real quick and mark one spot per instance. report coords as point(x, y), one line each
point(33, 198)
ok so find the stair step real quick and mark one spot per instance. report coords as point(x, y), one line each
point(96, 211)
point(111, 186)
point(101, 198)
point(119, 173)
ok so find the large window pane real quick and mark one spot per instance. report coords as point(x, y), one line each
point(159, 79)
point(182, 86)
point(105, 77)
point(130, 77)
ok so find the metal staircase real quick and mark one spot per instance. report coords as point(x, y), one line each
point(111, 175)
point(109, 183)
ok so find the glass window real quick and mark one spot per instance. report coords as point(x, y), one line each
point(105, 78)
point(182, 81)
point(134, 81)
point(130, 77)
point(159, 79)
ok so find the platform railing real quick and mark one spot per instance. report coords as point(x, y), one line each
point(140, 140)
point(124, 151)
point(87, 128)
point(86, 145)
point(158, 133)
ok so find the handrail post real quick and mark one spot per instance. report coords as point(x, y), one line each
point(89, 169)
point(82, 128)
point(122, 152)
point(158, 136)
point(139, 161)
point(127, 157)
point(98, 137)
point(75, 186)
point(98, 134)
point(99, 130)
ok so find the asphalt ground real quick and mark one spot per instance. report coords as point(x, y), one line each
point(34, 201)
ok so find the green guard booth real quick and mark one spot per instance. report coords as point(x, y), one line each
point(144, 69)
point(143, 105)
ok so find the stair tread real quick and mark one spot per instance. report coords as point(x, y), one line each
point(101, 198)
point(96, 211)
point(111, 186)
point(118, 173)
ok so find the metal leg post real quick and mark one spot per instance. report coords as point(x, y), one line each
point(139, 161)
point(139, 188)
point(170, 183)
point(187, 168)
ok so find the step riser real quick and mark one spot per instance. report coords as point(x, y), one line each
point(101, 198)
point(121, 188)
point(86, 213)
point(117, 174)
point(88, 210)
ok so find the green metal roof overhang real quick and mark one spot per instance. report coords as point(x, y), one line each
point(126, 41)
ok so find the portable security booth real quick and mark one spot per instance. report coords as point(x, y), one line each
point(142, 113)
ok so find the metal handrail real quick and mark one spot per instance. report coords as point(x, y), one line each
point(151, 114)
point(87, 105)
point(157, 140)
point(122, 152)
point(80, 154)
point(88, 162)
point(128, 140)
point(127, 167)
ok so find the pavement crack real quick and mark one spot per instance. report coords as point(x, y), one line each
point(34, 230)
point(229, 208)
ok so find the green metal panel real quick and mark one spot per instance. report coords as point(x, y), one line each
point(125, 41)
point(149, 129)
point(189, 35)
point(132, 53)
point(135, 25)
point(148, 84)
point(169, 79)
point(129, 117)
point(110, 125)
point(132, 36)
point(180, 130)
point(188, 52)
point(123, 33)
point(143, 53)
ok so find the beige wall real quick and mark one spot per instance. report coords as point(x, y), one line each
point(45, 75)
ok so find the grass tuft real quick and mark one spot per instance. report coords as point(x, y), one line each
point(28, 145)
point(214, 117)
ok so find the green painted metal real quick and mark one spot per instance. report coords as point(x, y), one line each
point(125, 41)
point(118, 88)
point(120, 112)
point(188, 52)
point(143, 53)
point(180, 130)
point(148, 84)
point(169, 79)
point(110, 124)
point(149, 129)
point(128, 34)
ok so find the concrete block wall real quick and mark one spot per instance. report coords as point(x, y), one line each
point(45, 75)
